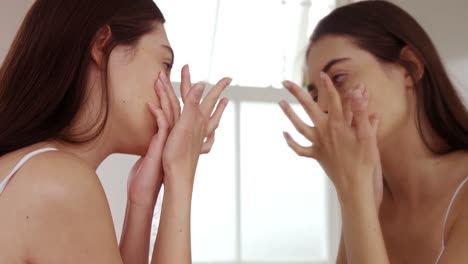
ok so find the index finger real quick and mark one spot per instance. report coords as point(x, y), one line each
point(335, 108)
point(186, 83)
point(305, 99)
point(213, 95)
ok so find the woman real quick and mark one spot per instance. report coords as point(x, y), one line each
point(401, 184)
point(75, 87)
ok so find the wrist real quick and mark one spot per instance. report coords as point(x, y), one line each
point(141, 207)
point(178, 189)
point(356, 194)
point(178, 182)
point(144, 196)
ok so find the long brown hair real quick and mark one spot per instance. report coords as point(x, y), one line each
point(383, 29)
point(43, 77)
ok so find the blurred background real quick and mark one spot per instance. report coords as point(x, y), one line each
point(254, 200)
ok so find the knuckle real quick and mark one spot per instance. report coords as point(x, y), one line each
point(334, 124)
point(301, 152)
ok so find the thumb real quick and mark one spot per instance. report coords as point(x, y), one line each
point(359, 106)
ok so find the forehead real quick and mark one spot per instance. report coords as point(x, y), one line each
point(157, 36)
point(329, 48)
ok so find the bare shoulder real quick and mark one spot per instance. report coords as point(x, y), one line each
point(59, 210)
point(56, 174)
point(456, 239)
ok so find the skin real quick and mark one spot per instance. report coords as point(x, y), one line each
point(365, 108)
point(55, 210)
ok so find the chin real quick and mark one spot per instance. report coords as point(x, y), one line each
point(136, 143)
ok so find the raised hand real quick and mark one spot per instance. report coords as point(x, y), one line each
point(343, 140)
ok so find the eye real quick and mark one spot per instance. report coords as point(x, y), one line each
point(314, 95)
point(167, 68)
point(313, 92)
point(339, 79)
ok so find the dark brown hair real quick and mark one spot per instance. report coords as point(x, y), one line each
point(43, 77)
point(383, 29)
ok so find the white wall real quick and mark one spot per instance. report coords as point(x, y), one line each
point(11, 15)
point(446, 22)
point(447, 27)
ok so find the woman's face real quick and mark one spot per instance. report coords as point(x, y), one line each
point(132, 73)
point(348, 66)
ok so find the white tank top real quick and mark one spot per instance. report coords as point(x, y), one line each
point(18, 166)
point(447, 213)
point(37, 152)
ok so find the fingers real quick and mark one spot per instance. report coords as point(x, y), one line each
point(347, 112)
point(165, 101)
point(186, 83)
point(212, 97)
point(174, 101)
point(195, 94)
point(159, 139)
point(305, 99)
point(208, 144)
point(309, 152)
point(375, 122)
point(307, 131)
point(335, 109)
point(361, 117)
point(216, 117)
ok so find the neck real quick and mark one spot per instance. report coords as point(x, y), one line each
point(413, 173)
point(93, 152)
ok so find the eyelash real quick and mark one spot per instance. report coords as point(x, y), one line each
point(337, 80)
point(168, 66)
point(313, 93)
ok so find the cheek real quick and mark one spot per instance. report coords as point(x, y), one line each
point(131, 87)
point(388, 99)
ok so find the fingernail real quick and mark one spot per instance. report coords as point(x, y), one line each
point(229, 81)
point(323, 76)
point(282, 104)
point(198, 89)
point(152, 106)
point(285, 135)
point(357, 94)
point(361, 86)
point(286, 84)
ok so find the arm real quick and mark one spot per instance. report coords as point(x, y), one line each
point(341, 258)
point(136, 232)
point(173, 241)
point(362, 235)
point(143, 189)
point(180, 158)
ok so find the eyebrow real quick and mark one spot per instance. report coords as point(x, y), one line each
point(311, 87)
point(171, 51)
point(333, 62)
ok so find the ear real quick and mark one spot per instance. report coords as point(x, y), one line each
point(415, 71)
point(101, 40)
